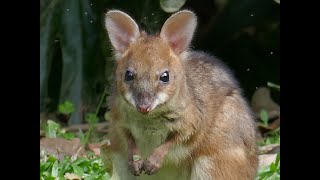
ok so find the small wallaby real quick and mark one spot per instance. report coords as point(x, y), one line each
point(175, 113)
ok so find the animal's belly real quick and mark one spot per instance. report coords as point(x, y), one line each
point(148, 136)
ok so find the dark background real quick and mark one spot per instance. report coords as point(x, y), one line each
point(75, 54)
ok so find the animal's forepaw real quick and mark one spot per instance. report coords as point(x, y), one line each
point(135, 165)
point(152, 164)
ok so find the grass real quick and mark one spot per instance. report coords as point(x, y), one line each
point(271, 172)
point(89, 168)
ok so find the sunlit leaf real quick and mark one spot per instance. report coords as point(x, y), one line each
point(171, 6)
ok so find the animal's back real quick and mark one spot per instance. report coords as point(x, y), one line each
point(226, 121)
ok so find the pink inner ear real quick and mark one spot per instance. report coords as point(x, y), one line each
point(173, 44)
point(177, 42)
point(123, 41)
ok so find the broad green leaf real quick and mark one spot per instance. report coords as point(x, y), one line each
point(68, 136)
point(66, 108)
point(51, 159)
point(171, 6)
point(77, 170)
point(50, 178)
point(52, 129)
point(106, 176)
point(264, 117)
point(277, 160)
point(79, 161)
point(277, 1)
point(45, 166)
point(54, 171)
point(95, 166)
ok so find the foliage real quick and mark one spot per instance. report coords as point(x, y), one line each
point(271, 172)
point(264, 117)
point(66, 108)
point(272, 137)
point(53, 130)
point(90, 168)
point(275, 86)
point(171, 6)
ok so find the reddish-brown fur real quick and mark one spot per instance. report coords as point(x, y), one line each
point(205, 126)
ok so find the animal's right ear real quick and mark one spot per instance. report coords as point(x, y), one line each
point(122, 30)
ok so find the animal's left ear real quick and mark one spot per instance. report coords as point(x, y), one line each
point(178, 30)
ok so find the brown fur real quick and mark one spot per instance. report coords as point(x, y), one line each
point(204, 112)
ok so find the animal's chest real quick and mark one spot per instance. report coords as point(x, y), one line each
point(148, 132)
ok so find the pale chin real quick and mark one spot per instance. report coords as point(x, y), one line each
point(160, 99)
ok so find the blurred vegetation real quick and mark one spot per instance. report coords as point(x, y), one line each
point(75, 54)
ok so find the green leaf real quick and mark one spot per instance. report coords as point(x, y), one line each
point(54, 171)
point(50, 178)
point(264, 117)
point(52, 129)
point(268, 141)
point(277, 160)
point(45, 166)
point(68, 136)
point(91, 118)
point(136, 157)
point(79, 161)
point(273, 167)
point(51, 159)
point(270, 84)
point(171, 6)
point(77, 170)
point(65, 166)
point(106, 176)
point(95, 166)
point(66, 108)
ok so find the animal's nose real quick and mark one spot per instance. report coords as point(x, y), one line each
point(144, 102)
point(144, 108)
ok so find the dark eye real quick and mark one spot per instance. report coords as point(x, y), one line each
point(164, 77)
point(128, 76)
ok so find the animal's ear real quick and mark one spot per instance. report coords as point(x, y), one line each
point(122, 30)
point(178, 30)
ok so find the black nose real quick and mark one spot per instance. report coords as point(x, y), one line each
point(144, 102)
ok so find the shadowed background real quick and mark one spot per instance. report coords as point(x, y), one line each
point(75, 54)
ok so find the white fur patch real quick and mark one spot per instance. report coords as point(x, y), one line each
point(129, 98)
point(201, 168)
point(160, 99)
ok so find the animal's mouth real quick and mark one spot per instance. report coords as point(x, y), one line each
point(145, 103)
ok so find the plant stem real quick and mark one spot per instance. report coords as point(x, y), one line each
point(91, 125)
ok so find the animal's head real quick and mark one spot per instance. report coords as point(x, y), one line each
point(149, 68)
